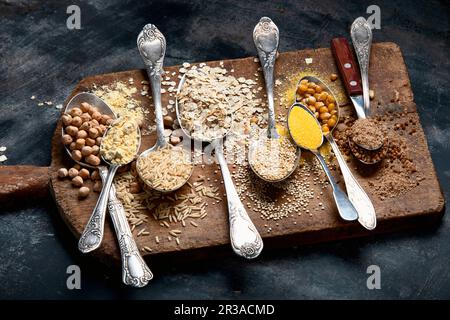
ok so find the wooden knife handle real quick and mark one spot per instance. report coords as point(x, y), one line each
point(22, 183)
point(348, 67)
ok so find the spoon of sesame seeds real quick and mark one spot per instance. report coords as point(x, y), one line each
point(245, 238)
point(272, 156)
point(152, 47)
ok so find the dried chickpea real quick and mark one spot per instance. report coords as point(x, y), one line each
point(101, 128)
point(85, 126)
point(84, 173)
point(333, 77)
point(104, 119)
point(66, 119)
point(62, 173)
point(92, 110)
point(81, 134)
point(312, 100)
point(331, 123)
point(77, 181)
point(319, 105)
point(302, 89)
point(323, 109)
point(73, 173)
point(324, 116)
point(331, 106)
point(85, 107)
point(312, 108)
point(97, 116)
point(83, 192)
point(76, 155)
point(94, 123)
point(85, 117)
point(109, 122)
point(325, 129)
point(72, 130)
point(76, 121)
point(93, 160)
point(310, 91)
point(90, 142)
point(330, 99)
point(98, 141)
point(93, 133)
point(80, 143)
point(86, 151)
point(319, 89)
point(95, 149)
point(67, 139)
point(75, 112)
point(323, 96)
point(72, 146)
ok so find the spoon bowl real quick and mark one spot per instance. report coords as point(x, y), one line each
point(95, 101)
point(257, 144)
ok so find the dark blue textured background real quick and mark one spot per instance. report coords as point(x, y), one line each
point(40, 56)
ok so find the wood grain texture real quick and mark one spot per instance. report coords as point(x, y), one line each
point(22, 183)
point(388, 75)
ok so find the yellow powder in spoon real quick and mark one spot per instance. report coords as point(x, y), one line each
point(304, 129)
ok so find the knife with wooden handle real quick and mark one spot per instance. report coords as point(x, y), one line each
point(352, 81)
point(349, 70)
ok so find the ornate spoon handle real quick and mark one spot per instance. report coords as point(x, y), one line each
point(92, 236)
point(343, 204)
point(135, 271)
point(266, 38)
point(152, 47)
point(362, 40)
point(356, 194)
point(244, 236)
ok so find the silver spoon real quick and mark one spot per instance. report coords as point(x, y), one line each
point(152, 47)
point(245, 238)
point(345, 208)
point(356, 194)
point(93, 233)
point(135, 271)
point(266, 38)
point(361, 34)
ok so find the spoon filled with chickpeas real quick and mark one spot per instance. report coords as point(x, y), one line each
point(319, 99)
point(86, 120)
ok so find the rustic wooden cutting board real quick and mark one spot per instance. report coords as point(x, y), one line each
point(389, 79)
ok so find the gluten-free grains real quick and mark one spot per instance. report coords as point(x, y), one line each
point(166, 169)
point(273, 159)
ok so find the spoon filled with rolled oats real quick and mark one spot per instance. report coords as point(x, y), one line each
point(204, 115)
point(272, 156)
point(163, 167)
